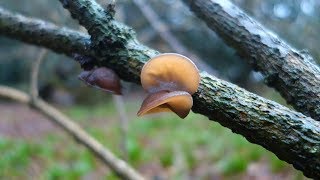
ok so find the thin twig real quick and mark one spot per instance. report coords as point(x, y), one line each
point(123, 125)
point(35, 73)
point(14, 94)
point(120, 167)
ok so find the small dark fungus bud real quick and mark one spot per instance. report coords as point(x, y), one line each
point(102, 78)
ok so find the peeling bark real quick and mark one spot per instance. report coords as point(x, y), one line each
point(292, 73)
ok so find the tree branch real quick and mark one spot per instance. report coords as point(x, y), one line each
point(121, 168)
point(292, 136)
point(67, 41)
point(42, 33)
point(292, 73)
point(109, 30)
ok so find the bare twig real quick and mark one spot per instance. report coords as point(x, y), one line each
point(123, 122)
point(14, 94)
point(120, 167)
point(162, 29)
point(34, 74)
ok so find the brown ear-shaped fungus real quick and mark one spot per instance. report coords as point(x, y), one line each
point(102, 78)
point(179, 102)
point(170, 79)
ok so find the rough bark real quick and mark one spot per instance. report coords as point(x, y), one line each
point(292, 136)
point(126, 60)
point(294, 74)
point(114, 43)
point(42, 33)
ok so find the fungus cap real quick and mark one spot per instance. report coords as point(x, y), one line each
point(179, 102)
point(171, 72)
point(102, 78)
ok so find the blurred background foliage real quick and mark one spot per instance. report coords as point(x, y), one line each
point(206, 149)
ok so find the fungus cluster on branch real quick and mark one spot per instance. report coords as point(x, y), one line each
point(170, 79)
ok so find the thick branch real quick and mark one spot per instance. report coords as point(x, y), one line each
point(114, 43)
point(292, 136)
point(38, 32)
point(292, 73)
point(42, 33)
point(109, 30)
point(120, 167)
